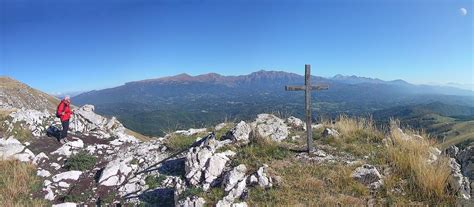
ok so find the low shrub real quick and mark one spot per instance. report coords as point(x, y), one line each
point(81, 161)
point(154, 181)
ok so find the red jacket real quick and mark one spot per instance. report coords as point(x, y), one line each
point(64, 107)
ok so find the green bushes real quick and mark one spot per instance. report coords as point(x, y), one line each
point(178, 142)
point(81, 161)
point(154, 181)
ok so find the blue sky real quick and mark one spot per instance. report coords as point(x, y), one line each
point(67, 45)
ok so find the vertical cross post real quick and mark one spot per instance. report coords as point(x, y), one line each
point(307, 88)
point(308, 106)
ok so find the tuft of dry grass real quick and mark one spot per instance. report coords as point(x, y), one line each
point(409, 157)
point(310, 185)
point(357, 129)
point(17, 182)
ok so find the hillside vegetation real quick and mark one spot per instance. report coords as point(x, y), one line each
point(155, 106)
point(449, 124)
point(14, 94)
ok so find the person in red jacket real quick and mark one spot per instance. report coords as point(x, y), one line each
point(64, 113)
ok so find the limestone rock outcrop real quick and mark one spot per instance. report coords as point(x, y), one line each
point(270, 126)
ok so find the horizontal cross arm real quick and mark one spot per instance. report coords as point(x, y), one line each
point(302, 88)
point(295, 88)
point(320, 87)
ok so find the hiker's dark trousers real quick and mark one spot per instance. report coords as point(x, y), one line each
point(65, 129)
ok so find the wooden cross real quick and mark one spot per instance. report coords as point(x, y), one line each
point(308, 88)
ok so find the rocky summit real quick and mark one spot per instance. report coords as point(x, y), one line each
point(259, 162)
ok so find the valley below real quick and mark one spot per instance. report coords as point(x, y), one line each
point(415, 154)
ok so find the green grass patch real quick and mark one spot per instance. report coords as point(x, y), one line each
point(178, 142)
point(310, 185)
point(222, 132)
point(19, 130)
point(192, 191)
point(154, 181)
point(81, 161)
point(18, 181)
point(260, 151)
point(213, 196)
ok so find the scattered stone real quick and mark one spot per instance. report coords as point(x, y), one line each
point(368, 175)
point(49, 194)
point(242, 204)
point(69, 175)
point(458, 182)
point(268, 125)
point(63, 184)
point(41, 157)
point(191, 132)
point(193, 201)
point(261, 178)
point(65, 205)
point(56, 166)
point(233, 194)
point(214, 168)
point(203, 165)
point(43, 173)
point(115, 172)
point(295, 123)
point(240, 133)
point(69, 148)
point(11, 148)
point(234, 176)
point(434, 153)
point(32, 118)
point(328, 132)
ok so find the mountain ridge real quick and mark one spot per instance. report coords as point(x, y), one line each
point(234, 80)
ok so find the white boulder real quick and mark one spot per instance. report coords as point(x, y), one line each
point(328, 132)
point(240, 133)
point(458, 182)
point(69, 175)
point(234, 176)
point(192, 202)
point(203, 165)
point(43, 173)
point(368, 175)
point(115, 172)
point(68, 204)
point(295, 123)
point(268, 125)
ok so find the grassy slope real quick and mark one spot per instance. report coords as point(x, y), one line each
point(460, 132)
point(17, 181)
point(410, 181)
point(27, 95)
point(329, 184)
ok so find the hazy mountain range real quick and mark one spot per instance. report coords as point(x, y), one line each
point(154, 105)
